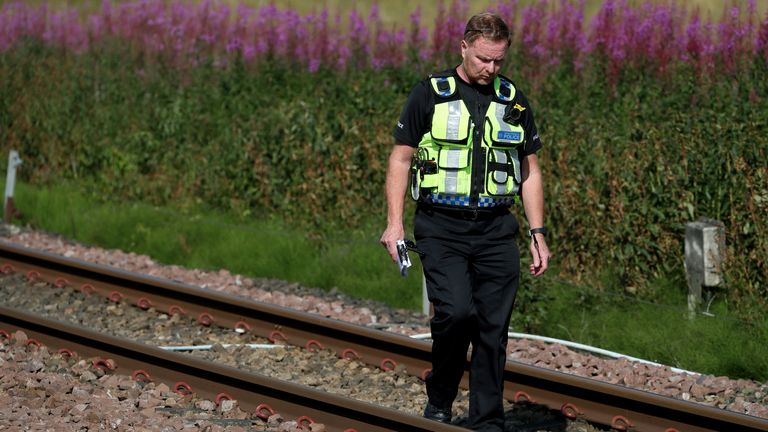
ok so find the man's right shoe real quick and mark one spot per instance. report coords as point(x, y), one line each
point(437, 414)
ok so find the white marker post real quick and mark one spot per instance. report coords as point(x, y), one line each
point(704, 255)
point(10, 183)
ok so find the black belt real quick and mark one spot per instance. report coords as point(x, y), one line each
point(465, 213)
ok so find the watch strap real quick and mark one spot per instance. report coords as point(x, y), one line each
point(540, 230)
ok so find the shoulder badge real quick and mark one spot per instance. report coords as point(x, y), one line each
point(505, 91)
point(443, 86)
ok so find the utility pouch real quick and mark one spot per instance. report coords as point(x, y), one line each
point(503, 172)
point(423, 173)
point(501, 134)
point(453, 164)
point(454, 128)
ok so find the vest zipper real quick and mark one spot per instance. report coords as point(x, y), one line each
point(477, 157)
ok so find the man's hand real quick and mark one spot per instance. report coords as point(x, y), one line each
point(540, 254)
point(389, 239)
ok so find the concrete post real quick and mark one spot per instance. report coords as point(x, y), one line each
point(704, 255)
point(10, 184)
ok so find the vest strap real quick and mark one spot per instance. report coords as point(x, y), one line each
point(503, 167)
point(443, 86)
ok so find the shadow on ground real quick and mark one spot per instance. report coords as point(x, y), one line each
point(528, 417)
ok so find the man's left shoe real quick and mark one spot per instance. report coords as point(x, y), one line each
point(437, 414)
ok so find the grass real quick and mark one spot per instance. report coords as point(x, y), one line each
point(356, 265)
point(659, 331)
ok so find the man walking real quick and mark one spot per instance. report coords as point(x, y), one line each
point(467, 141)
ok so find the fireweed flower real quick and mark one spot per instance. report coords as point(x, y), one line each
point(548, 34)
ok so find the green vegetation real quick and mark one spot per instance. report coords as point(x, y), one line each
point(714, 343)
point(628, 160)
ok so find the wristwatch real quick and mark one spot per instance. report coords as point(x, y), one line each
point(542, 231)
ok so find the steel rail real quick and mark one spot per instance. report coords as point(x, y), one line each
point(576, 397)
point(187, 374)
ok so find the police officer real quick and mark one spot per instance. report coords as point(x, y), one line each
point(466, 145)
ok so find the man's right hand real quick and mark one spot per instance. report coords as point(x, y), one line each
point(389, 239)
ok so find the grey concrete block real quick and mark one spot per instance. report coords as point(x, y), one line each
point(704, 256)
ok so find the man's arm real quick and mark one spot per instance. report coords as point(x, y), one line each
point(533, 202)
point(396, 185)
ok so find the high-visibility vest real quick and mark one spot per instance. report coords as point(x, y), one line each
point(443, 171)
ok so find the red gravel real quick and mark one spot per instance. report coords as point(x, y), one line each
point(46, 391)
point(744, 396)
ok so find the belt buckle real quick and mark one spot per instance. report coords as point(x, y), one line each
point(469, 214)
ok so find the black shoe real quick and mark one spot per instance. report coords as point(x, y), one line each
point(437, 414)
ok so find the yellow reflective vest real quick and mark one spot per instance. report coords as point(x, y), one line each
point(443, 171)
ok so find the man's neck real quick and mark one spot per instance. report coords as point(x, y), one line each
point(463, 74)
point(482, 88)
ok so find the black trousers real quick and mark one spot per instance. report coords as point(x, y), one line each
point(472, 270)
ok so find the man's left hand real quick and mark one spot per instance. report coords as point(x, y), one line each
point(540, 254)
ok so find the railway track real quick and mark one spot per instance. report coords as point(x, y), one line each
point(575, 397)
point(186, 374)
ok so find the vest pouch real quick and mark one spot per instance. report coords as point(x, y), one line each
point(453, 158)
point(424, 172)
point(502, 173)
point(500, 134)
point(450, 123)
point(453, 170)
point(429, 181)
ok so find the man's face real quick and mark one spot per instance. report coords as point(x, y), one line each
point(483, 59)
